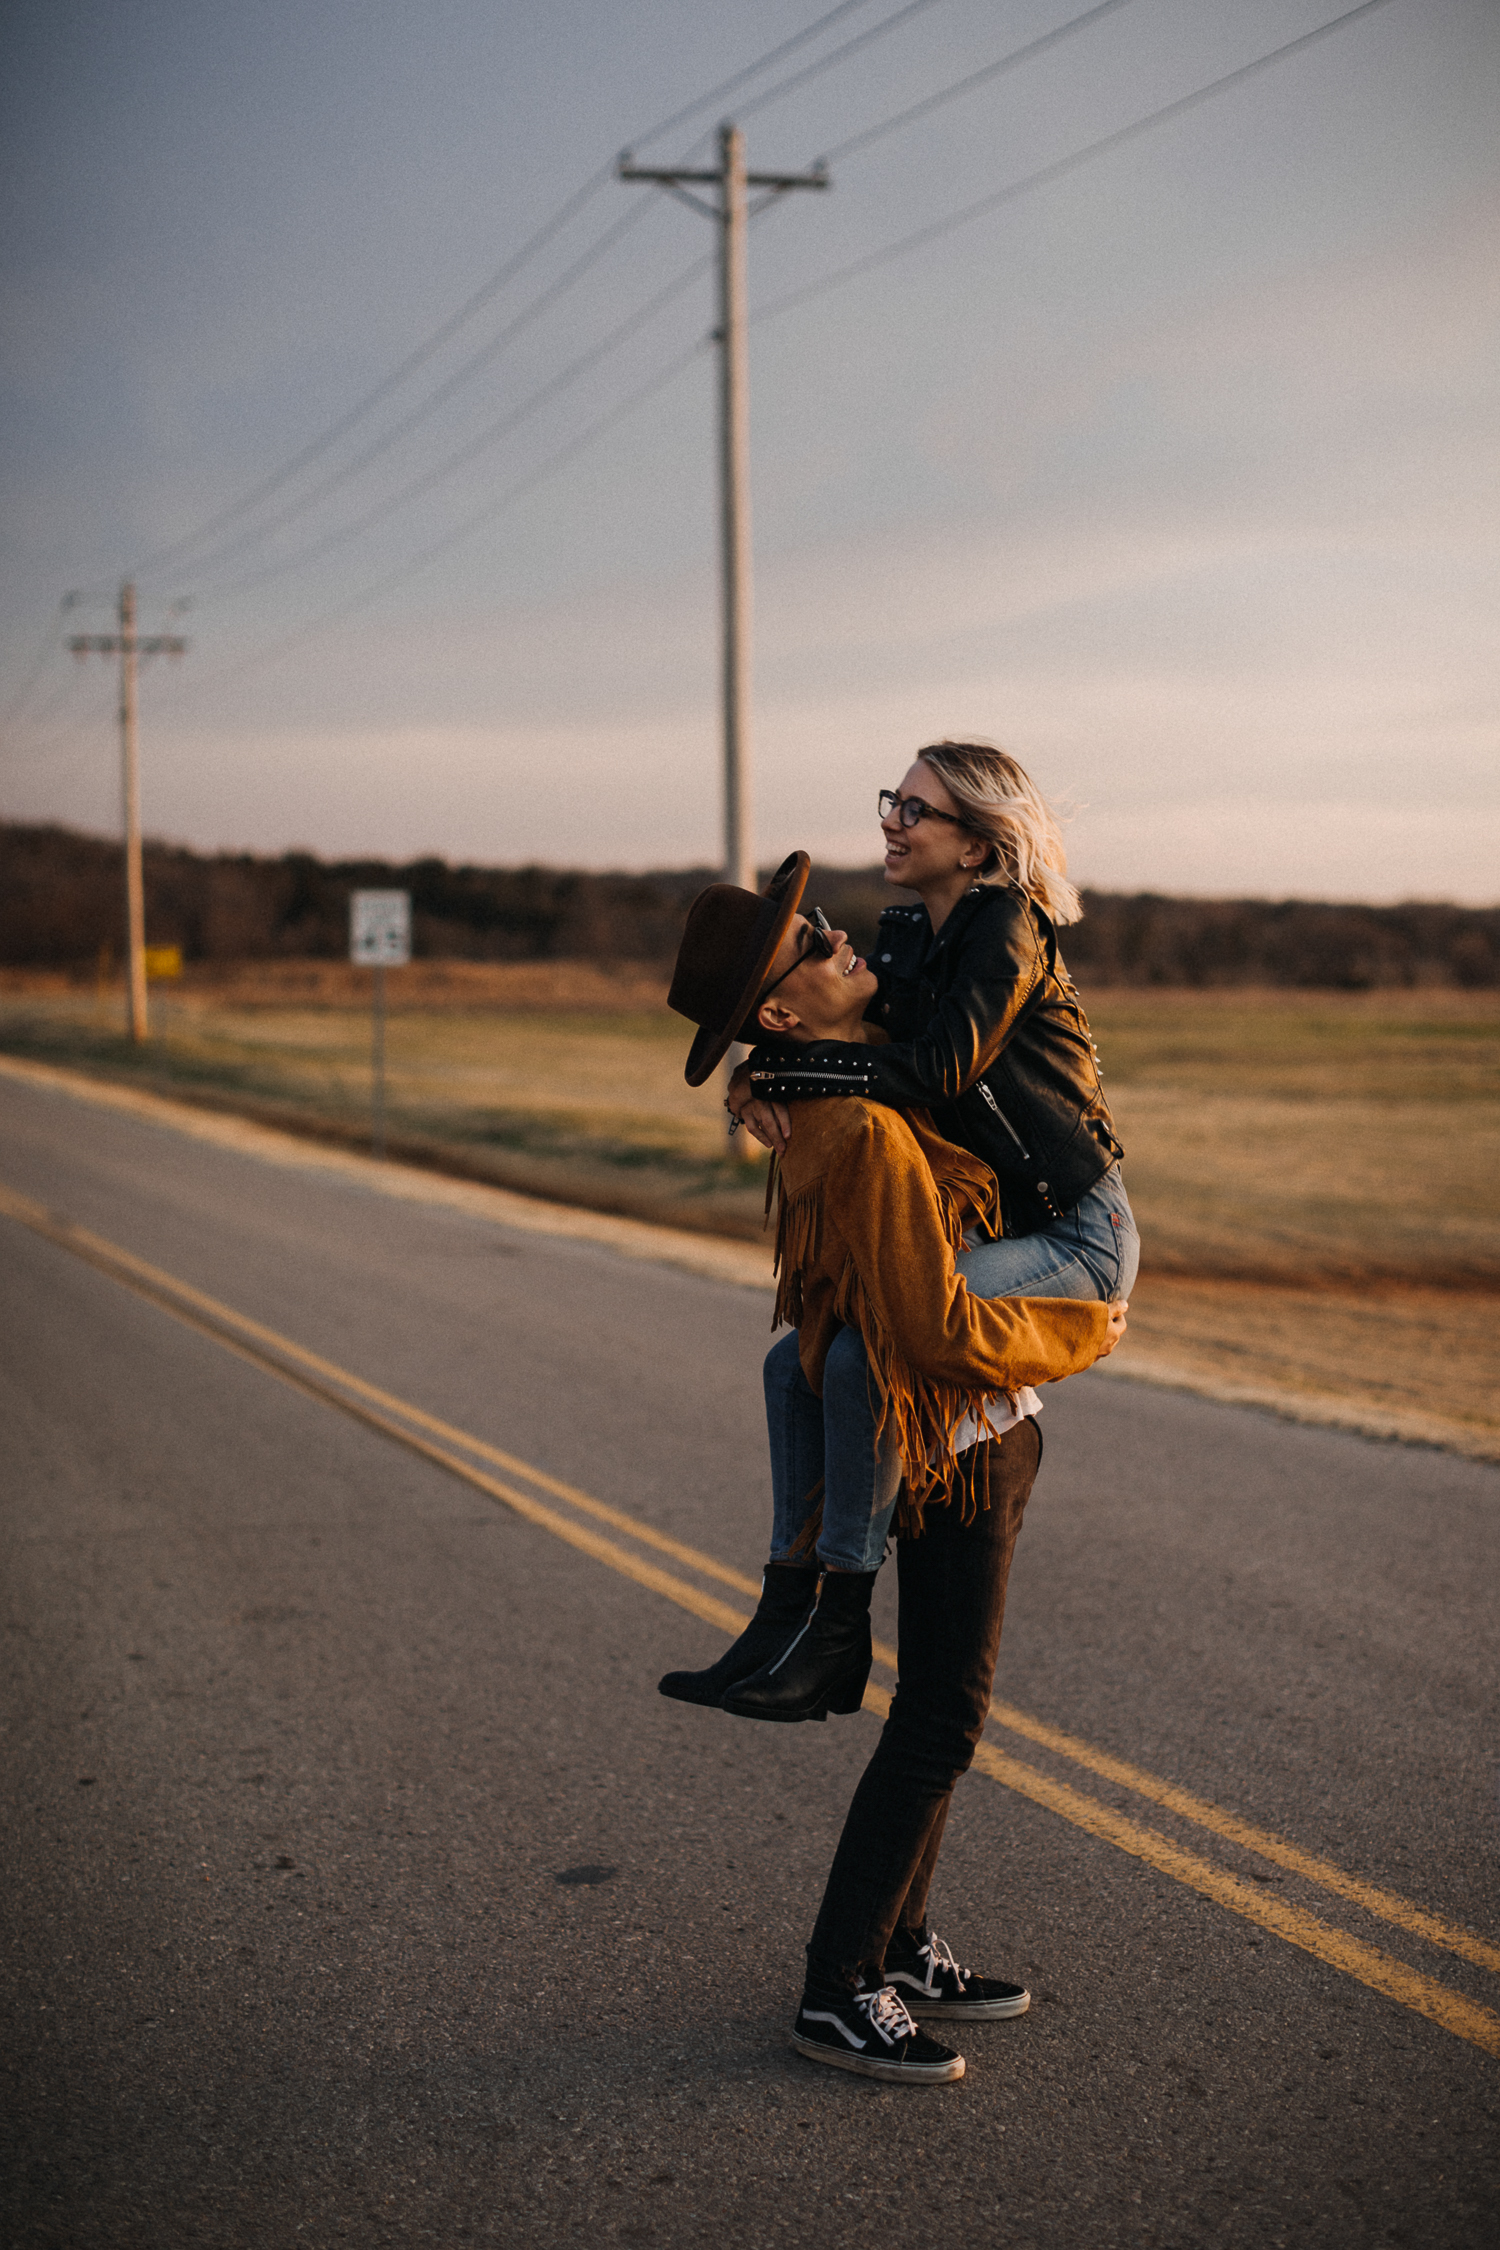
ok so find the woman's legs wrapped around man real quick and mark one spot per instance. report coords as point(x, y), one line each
point(1093, 1251)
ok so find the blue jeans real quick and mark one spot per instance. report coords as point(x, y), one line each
point(1092, 1252)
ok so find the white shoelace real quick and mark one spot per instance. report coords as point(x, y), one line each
point(939, 1957)
point(887, 2012)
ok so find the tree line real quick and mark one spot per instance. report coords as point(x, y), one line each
point(61, 908)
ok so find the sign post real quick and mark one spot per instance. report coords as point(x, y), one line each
point(379, 936)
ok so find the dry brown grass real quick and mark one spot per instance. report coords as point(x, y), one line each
point(1311, 1138)
point(1411, 1353)
point(551, 987)
point(1317, 1175)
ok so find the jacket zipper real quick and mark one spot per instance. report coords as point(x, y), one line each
point(1005, 1121)
point(830, 1077)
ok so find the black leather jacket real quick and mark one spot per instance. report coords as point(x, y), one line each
point(987, 1032)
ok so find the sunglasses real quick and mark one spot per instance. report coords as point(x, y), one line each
point(909, 810)
point(818, 945)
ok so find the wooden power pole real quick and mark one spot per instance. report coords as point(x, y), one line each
point(732, 214)
point(129, 647)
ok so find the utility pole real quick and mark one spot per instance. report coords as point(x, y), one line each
point(732, 214)
point(129, 647)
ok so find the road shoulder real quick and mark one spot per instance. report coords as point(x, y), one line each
point(715, 1258)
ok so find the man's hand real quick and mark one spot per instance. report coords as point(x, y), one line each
point(770, 1123)
point(1116, 1327)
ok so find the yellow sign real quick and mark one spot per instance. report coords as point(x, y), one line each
point(163, 962)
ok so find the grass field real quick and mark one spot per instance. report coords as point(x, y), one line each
point(1317, 1175)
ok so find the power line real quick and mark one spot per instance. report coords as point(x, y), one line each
point(1013, 191)
point(398, 375)
point(489, 436)
point(182, 547)
point(752, 70)
point(1057, 169)
point(470, 367)
point(470, 525)
point(835, 55)
point(975, 78)
point(491, 350)
point(995, 200)
point(508, 423)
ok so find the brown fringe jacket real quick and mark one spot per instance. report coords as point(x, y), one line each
point(871, 1207)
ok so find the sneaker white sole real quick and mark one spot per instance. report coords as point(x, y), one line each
point(871, 2066)
point(962, 2011)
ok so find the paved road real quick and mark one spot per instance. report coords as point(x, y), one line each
point(306, 1730)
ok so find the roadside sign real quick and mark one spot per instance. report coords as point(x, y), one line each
point(163, 962)
point(380, 928)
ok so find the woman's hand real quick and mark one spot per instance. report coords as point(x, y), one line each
point(1116, 1327)
point(770, 1123)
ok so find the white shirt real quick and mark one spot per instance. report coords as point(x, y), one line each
point(1005, 1410)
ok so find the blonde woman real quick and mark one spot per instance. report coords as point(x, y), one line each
point(869, 1207)
point(983, 1028)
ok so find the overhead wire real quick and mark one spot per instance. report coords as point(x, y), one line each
point(887, 253)
point(751, 70)
point(491, 350)
point(835, 55)
point(974, 79)
point(470, 525)
point(179, 551)
point(183, 547)
point(497, 431)
point(472, 366)
point(471, 450)
point(1058, 168)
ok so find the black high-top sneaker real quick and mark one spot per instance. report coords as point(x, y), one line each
point(787, 1593)
point(869, 2031)
point(923, 1971)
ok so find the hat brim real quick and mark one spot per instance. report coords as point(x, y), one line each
point(783, 896)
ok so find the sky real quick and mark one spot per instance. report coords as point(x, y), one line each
point(1174, 472)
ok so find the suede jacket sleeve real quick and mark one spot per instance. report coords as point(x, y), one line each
point(886, 1229)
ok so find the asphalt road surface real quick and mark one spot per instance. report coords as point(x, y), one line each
point(359, 1888)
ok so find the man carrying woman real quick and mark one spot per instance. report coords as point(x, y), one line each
point(872, 1207)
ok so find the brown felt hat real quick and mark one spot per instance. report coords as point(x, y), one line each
point(725, 957)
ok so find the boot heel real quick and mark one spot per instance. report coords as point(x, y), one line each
point(824, 1668)
point(850, 1692)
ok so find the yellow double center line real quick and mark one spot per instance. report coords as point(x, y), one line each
point(434, 1439)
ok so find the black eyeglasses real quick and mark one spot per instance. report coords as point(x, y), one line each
point(819, 942)
point(909, 810)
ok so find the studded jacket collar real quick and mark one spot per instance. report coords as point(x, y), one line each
point(985, 1029)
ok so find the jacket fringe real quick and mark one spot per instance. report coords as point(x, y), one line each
point(922, 1419)
point(798, 1230)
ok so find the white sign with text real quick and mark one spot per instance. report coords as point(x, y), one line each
point(380, 928)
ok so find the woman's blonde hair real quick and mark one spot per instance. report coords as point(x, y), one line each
point(1001, 803)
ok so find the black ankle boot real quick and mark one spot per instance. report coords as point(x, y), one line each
point(787, 1592)
point(826, 1666)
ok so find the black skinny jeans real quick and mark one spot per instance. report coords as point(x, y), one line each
point(952, 1604)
